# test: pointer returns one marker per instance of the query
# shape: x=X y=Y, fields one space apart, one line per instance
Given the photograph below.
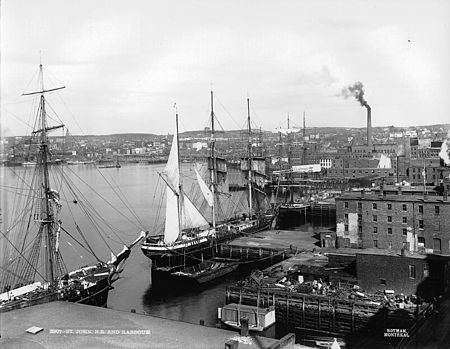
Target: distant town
x=399 y=153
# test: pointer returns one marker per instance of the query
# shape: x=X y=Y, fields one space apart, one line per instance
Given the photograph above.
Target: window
x=412 y=271
x=404 y=220
x=375 y=243
x=404 y=207
x=375 y=218
x=421 y=241
x=389 y=206
x=360 y=229
x=420 y=224
x=437 y=244
x=420 y=208
x=346 y=216
x=359 y=217
x=390 y=244
x=389 y=230
x=383 y=282
x=374 y=206
x=436 y=210
x=405 y=231
x=389 y=219
x=426 y=270
x=359 y=205
x=346 y=227
x=345 y=204
x=375 y=230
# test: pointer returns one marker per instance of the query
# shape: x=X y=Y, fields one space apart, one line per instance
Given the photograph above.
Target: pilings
x=315 y=312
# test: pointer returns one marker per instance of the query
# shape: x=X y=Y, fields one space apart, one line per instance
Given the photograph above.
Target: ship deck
x=71 y=325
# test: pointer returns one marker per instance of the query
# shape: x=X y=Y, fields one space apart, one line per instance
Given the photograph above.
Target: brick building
x=394 y=221
x=414 y=273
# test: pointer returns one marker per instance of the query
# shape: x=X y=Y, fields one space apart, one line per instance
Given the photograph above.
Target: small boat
x=328 y=342
x=207 y=271
x=116 y=165
x=259 y=319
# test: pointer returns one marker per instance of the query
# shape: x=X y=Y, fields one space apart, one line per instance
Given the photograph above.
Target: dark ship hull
x=291 y=215
x=96 y=295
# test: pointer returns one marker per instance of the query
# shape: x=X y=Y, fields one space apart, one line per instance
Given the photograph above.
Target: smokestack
x=357 y=90
x=369 y=125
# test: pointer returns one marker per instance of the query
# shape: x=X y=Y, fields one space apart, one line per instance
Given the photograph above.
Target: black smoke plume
x=356 y=90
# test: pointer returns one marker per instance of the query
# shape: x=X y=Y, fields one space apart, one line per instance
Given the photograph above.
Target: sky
x=126 y=63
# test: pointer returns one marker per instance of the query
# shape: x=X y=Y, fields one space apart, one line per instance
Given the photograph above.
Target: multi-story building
x=388 y=220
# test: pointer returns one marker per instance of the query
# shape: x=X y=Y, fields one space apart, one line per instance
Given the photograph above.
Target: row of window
x=420 y=177
x=420 y=242
x=421 y=169
x=389 y=219
x=389 y=230
x=389 y=207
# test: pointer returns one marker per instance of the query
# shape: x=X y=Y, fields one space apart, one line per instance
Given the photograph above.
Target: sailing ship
x=33 y=270
x=289 y=211
x=115 y=165
x=188 y=238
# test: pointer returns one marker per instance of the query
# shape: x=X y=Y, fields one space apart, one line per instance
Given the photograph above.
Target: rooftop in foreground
x=69 y=325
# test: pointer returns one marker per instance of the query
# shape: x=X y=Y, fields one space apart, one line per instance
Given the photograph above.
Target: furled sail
x=205 y=190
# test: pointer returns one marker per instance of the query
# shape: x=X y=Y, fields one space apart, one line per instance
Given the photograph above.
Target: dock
x=337 y=310
x=70 y=325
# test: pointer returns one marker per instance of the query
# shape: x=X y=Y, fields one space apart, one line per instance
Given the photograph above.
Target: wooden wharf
x=322 y=313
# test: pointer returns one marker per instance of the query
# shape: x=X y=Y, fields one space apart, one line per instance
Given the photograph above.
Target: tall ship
x=290 y=211
x=188 y=237
x=32 y=269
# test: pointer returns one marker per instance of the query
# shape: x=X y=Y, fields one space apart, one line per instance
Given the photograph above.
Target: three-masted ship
x=188 y=237
x=33 y=270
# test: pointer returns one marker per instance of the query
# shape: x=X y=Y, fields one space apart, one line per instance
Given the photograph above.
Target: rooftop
x=403 y=197
x=70 y=325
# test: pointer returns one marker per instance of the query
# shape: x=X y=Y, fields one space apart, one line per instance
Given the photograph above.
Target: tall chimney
x=369 y=126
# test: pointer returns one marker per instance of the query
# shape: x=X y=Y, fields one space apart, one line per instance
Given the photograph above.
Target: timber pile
x=318 y=305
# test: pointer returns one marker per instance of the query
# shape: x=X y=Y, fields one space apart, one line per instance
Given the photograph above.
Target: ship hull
x=291 y=216
x=96 y=295
x=166 y=261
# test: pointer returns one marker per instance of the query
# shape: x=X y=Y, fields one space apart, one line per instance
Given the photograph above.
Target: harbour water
x=139 y=188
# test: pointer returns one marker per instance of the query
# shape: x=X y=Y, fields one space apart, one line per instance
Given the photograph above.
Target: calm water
x=139 y=185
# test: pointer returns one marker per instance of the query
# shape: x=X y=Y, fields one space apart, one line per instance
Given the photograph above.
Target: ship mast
x=213 y=164
x=46 y=219
x=179 y=197
x=249 y=160
x=289 y=158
